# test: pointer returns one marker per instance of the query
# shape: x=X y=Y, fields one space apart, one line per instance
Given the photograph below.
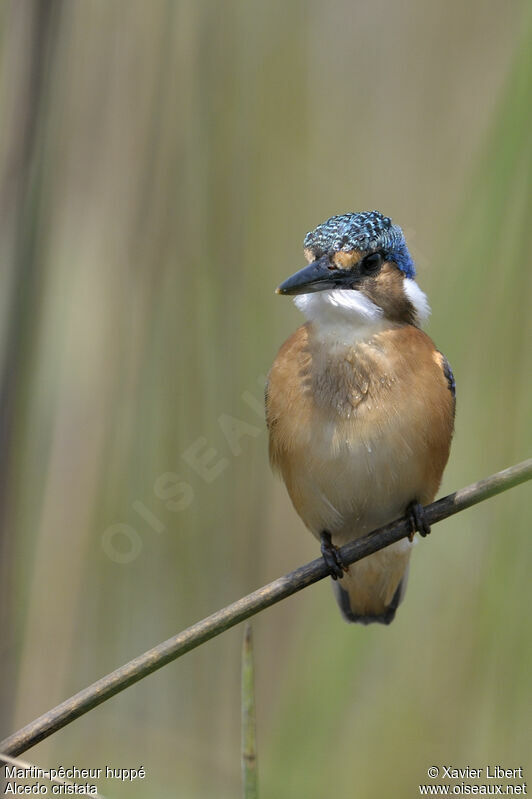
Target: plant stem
x=249 y=741
x=242 y=609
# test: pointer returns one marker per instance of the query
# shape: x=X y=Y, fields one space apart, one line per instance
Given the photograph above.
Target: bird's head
x=361 y=267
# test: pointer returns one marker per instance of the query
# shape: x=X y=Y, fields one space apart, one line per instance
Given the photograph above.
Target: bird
x=360 y=404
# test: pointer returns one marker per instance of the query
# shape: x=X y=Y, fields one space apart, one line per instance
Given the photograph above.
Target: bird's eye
x=371 y=264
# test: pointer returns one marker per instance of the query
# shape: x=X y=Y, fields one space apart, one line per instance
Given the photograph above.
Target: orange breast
x=358 y=432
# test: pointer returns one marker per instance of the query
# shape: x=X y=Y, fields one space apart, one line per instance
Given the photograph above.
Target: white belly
x=348 y=484
x=350 y=490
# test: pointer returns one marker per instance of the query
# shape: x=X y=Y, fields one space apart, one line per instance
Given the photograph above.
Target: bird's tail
x=373 y=588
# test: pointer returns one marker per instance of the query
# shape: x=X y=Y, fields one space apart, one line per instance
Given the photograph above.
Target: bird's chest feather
x=353 y=428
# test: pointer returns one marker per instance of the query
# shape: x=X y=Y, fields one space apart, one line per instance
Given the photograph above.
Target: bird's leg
x=331 y=557
x=418 y=519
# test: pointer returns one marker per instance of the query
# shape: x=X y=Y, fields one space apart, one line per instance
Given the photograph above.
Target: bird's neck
x=340 y=318
x=351 y=351
x=343 y=317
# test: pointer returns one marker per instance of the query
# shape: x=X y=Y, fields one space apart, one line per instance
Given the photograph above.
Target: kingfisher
x=360 y=404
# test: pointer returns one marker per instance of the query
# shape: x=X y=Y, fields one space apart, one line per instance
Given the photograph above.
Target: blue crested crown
x=365 y=231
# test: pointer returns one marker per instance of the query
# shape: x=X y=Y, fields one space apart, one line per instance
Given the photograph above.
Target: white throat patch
x=345 y=314
x=348 y=315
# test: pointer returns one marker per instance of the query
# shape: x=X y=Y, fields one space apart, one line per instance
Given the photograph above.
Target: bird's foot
x=418 y=520
x=332 y=557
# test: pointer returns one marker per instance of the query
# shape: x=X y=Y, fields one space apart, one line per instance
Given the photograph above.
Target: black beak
x=317 y=276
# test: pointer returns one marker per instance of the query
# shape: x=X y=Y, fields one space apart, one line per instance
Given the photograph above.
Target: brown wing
x=285 y=390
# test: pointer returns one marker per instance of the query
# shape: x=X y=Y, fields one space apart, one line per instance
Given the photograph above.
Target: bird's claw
x=418 y=520
x=332 y=558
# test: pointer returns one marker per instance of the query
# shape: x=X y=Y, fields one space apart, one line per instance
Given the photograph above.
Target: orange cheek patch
x=346 y=260
x=309 y=255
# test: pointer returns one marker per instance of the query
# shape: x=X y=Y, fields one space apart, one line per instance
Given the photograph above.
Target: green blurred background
x=160 y=164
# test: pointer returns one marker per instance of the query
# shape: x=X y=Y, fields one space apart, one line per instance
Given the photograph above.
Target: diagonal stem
x=143 y=665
